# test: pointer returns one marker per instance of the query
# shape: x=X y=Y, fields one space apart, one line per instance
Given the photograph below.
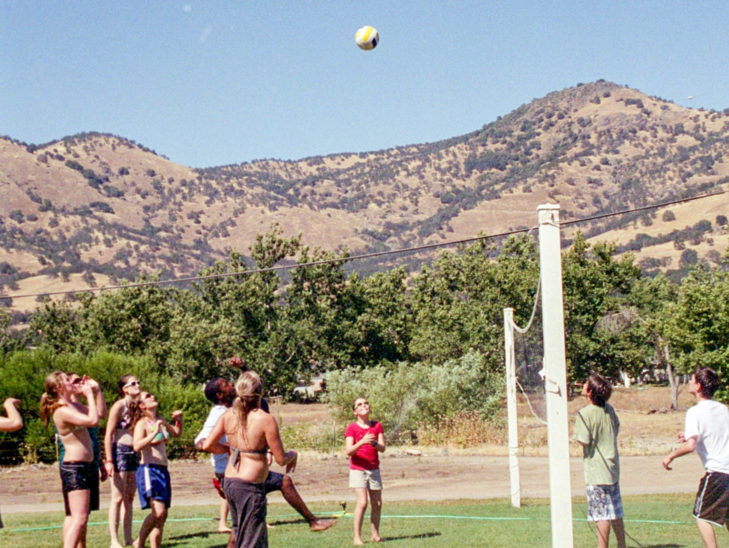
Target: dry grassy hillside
x=95 y=208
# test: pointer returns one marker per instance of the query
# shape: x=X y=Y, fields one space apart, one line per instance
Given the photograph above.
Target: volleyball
x=367 y=37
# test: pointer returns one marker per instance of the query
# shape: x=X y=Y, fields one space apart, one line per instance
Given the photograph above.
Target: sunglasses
x=77 y=380
x=133 y=383
x=360 y=404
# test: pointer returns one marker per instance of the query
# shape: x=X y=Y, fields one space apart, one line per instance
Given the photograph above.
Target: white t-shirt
x=220 y=461
x=708 y=421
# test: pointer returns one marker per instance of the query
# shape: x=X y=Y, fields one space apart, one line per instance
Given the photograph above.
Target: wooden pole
x=555 y=375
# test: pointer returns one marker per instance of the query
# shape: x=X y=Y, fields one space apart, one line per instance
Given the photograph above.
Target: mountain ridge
x=94 y=208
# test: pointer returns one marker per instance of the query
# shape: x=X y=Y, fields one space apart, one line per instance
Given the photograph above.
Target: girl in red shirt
x=364 y=440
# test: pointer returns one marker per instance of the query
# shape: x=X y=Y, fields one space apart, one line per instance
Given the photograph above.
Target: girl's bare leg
x=359 y=510
x=74 y=528
x=223 y=521
x=129 y=488
x=115 y=503
x=375 y=510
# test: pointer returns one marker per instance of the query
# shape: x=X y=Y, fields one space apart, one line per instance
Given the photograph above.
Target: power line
x=353 y=257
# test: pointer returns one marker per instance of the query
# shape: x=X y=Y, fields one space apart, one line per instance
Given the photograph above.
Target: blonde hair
x=249 y=389
x=50 y=400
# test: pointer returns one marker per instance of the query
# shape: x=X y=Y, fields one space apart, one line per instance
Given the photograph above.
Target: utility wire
x=353 y=257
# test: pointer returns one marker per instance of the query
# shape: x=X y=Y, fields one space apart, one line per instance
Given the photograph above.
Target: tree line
x=392 y=327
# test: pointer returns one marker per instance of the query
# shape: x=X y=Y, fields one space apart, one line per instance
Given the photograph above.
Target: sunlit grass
x=651 y=520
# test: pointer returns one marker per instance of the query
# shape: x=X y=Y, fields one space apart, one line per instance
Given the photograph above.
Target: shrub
x=24 y=375
x=404 y=396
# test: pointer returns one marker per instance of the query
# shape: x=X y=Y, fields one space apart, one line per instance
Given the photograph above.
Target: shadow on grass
x=662 y=545
x=176 y=540
x=288 y=522
x=403 y=537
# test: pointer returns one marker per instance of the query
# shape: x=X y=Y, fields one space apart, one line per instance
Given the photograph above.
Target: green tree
x=596 y=284
x=458 y=302
x=700 y=323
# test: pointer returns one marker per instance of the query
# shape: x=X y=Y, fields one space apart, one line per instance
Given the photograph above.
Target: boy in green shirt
x=596 y=429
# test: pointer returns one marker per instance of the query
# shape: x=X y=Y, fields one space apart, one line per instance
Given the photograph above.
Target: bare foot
x=224 y=529
x=115 y=544
x=376 y=539
x=358 y=542
x=321 y=524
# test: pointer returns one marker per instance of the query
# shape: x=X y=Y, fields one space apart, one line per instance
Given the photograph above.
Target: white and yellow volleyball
x=367 y=37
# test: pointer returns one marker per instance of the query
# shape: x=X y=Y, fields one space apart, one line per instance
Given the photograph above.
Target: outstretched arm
x=273 y=439
x=13 y=421
x=688 y=446
x=211 y=443
x=98 y=396
x=176 y=428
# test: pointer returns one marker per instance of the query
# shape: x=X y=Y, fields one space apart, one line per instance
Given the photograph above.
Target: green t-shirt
x=597 y=428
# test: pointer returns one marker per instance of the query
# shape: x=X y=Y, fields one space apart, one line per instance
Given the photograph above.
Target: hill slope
x=94 y=207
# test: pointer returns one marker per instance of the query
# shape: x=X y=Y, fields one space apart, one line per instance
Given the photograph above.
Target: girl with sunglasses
x=121 y=460
x=151 y=433
x=79 y=473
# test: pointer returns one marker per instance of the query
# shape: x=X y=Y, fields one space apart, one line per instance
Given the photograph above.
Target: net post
x=555 y=375
x=510 y=367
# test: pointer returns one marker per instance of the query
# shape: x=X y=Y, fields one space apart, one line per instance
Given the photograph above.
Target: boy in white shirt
x=707 y=433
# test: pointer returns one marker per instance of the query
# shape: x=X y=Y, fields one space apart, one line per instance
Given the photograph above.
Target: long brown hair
x=50 y=400
x=249 y=389
x=123 y=382
x=136 y=413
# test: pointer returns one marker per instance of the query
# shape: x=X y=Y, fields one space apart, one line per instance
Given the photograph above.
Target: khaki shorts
x=368 y=479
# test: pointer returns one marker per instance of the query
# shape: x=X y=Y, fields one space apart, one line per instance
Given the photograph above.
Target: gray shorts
x=368 y=479
x=604 y=502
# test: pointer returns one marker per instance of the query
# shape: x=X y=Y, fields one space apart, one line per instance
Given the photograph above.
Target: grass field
x=651 y=521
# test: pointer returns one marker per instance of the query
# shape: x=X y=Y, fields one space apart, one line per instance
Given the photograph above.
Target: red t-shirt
x=366 y=457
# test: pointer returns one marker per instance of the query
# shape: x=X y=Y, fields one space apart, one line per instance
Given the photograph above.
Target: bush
x=24 y=376
x=406 y=396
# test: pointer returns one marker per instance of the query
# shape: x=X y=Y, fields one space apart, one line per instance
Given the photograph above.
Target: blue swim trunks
x=153 y=483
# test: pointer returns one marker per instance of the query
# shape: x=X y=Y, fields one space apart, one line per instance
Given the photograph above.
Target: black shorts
x=80 y=476
x=247 y=504
x=712 y=498
x=124 y=458
x=274 y=482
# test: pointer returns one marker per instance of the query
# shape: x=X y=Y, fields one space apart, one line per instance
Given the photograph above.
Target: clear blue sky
x=213 y=82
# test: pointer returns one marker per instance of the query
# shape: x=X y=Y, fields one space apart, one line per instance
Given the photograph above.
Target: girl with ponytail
x=79 y=471
x=252 y=434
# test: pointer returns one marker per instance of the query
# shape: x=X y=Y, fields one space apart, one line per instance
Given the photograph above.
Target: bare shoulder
x=116 y=407
x=259 y=416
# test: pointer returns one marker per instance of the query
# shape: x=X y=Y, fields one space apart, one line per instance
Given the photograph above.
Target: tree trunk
x=672 y=381
x=626 y=378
